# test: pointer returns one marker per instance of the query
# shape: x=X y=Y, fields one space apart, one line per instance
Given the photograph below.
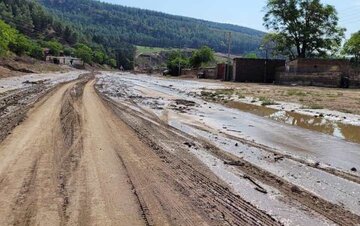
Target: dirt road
x=81 y=158
x=73 y=161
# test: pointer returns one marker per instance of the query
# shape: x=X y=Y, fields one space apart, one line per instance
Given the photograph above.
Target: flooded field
x=319 y=124
x=294 y=167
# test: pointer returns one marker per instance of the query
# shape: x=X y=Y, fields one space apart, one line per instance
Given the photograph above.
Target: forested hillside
x=27 y=28
x=110 y=24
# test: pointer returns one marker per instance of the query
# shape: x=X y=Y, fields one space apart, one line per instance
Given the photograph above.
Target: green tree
x=307 y=27
x=54 y=46
x=68 y=51
x=99 y=57
x=7 y=35
x=36 y=52
x=84 y=52
x=202 y=56
x=111 y=62
x=177 y=61
x=251 y=56
x=352 y=46
x=21 y=45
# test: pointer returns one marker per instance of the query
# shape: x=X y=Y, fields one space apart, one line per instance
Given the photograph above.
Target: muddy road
x=111 y=149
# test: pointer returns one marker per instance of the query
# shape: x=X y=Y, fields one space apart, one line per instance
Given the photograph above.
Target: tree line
x=108 y=23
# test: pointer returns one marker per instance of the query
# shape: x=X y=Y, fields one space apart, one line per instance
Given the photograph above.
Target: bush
x=175 y=60
x=54 y=46
x=99 y=57
x=37 y=52
x=201 y=56
x=21 y=45
x=84 y=52
x=7 y=35
x=112 y=63
x=69 y=51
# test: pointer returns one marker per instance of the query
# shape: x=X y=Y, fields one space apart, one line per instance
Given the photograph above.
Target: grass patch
x=148 y=50
x=314 y=106
x=347 y=111
x=295 y=92
x=266 y=101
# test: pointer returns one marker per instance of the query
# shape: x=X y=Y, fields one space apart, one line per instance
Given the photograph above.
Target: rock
x=295 y=189
x=189 y=144
x=353 y=169
x=236 y=145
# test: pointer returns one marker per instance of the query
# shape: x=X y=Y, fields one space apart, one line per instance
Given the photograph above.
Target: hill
x=109 y=24
x=27 y=28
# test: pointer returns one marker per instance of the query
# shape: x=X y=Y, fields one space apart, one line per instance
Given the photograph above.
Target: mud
x=15 y=105
x=126 y=150
x=295 y=181
x=315 y=123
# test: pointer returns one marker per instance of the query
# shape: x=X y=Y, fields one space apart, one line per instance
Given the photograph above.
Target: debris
x=187 y=103
x=295 y=189
x=35 y=82
x=279 y=158
x=258 y=186
x=234 y=163
x=189 y=144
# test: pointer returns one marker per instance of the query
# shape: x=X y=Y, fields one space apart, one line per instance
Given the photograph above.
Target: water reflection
x=338 y=129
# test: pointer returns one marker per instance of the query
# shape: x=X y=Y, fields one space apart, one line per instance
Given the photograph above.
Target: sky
x=239 y=12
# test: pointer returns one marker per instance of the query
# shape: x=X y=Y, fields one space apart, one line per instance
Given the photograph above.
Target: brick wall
x=255 y=70
x=319 y=72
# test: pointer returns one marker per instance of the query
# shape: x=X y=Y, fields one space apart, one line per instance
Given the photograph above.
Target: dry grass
x=344 y=100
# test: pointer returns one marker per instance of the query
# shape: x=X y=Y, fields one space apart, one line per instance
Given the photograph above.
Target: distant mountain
x=109 y=24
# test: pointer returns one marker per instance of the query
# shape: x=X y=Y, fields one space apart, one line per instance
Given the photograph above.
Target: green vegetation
x=202 y=56
x=83 y=52
x=148 y=50
x=113 y=26
x=352 y=46
x=266 y=101
x=177 y=61
x=7 y=35
x=251 y=56
x=26 y=28
x=303 y=28
x=295 y=92
x=30 y=19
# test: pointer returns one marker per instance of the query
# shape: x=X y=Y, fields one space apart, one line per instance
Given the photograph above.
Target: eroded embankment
x=15 y=104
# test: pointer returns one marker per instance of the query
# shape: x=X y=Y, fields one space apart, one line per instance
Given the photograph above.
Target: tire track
x=206 y=194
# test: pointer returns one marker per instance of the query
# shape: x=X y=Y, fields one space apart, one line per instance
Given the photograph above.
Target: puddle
x=347 y=132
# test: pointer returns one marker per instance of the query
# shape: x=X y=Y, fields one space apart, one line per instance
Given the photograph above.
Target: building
x=255 y=70
x=224 y=71
x=65 y=60
x=319 y=72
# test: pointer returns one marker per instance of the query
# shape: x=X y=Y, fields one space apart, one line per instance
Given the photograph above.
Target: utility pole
x=179 y=66
x=229 y=54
